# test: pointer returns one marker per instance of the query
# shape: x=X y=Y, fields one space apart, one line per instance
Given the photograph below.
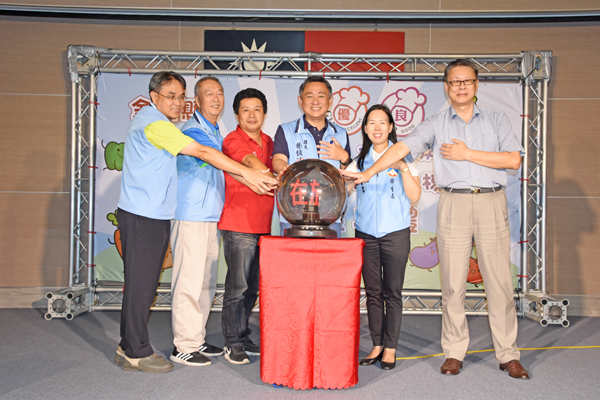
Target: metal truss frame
x=531 y=68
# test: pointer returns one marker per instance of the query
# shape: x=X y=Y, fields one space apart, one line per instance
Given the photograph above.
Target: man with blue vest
x=312 y=135
x=147 y=204
x=194 y=235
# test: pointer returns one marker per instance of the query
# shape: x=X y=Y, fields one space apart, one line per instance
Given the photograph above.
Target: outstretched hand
x=357 y=177
x=260 y=182
x=457 y=151
x=280 y=174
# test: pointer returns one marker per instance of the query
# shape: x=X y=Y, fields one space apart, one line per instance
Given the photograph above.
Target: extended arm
x=458 y=151
x=255 y=179
x=393 y=154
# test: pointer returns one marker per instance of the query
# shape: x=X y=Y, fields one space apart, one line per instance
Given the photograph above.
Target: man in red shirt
x=246 y=217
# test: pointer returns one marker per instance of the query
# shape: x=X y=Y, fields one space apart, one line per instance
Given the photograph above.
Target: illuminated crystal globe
x=311 y=196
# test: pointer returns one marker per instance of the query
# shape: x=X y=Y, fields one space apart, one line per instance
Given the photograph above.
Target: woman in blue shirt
x=383 y=222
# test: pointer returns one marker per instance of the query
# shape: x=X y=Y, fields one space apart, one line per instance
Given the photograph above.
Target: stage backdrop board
x=121 y=96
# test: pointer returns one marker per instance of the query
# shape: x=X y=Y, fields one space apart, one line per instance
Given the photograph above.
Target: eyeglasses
x=467 y=82
x=171 y=97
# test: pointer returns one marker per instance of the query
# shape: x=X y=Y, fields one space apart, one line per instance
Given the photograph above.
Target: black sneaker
x=210 y=350
x=195 y=358
x=251 y=348
x=236 y=355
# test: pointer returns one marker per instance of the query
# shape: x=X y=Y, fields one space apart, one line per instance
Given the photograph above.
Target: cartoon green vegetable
x=113 y=155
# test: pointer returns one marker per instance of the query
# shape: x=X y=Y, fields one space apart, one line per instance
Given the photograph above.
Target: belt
x=473 y=190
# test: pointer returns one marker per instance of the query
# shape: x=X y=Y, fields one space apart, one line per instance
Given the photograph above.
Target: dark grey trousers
x=144 y=242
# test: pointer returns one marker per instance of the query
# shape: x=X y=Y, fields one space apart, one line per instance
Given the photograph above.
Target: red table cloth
x=310 y=311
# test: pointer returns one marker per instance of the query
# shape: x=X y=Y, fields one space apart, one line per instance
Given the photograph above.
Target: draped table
x=310 y=311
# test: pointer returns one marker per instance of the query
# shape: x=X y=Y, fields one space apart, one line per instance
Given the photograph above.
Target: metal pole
x=92 y=175
x=524 y=190
x=76 y=233
x=538 y=191
x=542 y=236
x=73 y=164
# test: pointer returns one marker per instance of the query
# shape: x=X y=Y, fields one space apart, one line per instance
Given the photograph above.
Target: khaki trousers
x=195 y=247
x=482 y=217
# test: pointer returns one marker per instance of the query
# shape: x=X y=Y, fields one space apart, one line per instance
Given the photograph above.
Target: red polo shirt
x=244 y=210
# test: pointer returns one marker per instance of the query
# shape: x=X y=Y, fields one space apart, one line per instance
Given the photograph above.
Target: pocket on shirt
x=489 y=142
x=167 y=191
x=206 y=193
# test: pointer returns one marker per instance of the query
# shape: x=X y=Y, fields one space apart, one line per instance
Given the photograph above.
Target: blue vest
x=149 y=178
x=381 y=204
x=301 y=143
x=200 y=186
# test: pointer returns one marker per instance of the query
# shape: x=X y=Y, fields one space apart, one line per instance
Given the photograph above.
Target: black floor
x=61 y=359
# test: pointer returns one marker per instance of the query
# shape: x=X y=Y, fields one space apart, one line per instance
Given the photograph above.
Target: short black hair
x=249 y=93
x=312 y=79
x=162 y=77
x=204 y=79
x=461 y=62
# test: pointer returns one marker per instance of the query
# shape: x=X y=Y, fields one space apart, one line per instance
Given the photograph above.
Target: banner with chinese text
x=121 y=96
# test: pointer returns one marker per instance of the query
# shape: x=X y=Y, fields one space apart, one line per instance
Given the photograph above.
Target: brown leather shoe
x=451 y=366
x=515 y=369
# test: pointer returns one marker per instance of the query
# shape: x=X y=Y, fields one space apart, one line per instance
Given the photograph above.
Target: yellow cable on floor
x=523 y=349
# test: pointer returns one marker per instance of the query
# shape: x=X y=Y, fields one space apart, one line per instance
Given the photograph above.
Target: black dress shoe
x=371 y=361
x=387 y=365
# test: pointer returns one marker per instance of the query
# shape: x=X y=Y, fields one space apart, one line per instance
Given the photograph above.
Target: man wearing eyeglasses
x=472 y=148
x=147 y=204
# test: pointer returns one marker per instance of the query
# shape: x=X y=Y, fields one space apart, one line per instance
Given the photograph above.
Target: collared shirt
x=200 y=186
x=213 y=128
x=281 y=145
x=244 y=210
x=488 y=130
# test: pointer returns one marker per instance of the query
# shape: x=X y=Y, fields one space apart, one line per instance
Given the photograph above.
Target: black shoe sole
x=388 y=366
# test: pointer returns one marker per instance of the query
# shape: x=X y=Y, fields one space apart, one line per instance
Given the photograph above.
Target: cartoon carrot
x=112 y=217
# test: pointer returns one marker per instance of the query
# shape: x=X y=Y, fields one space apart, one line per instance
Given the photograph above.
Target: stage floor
x=62 y=359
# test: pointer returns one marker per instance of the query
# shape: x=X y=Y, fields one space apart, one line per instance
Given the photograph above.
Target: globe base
x=310 y=232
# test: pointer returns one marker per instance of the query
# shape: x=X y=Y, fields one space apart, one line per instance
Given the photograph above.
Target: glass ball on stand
x=311 y=196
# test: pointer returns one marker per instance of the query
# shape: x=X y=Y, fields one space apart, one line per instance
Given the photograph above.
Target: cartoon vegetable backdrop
x=112 y=217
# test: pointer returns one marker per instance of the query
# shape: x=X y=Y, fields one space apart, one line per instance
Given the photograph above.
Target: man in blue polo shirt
x=194 y=234
x=147 y=204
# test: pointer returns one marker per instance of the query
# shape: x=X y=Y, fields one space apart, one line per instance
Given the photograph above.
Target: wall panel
x=573 y=148
x=573 y=236
x=34 y=239
x=575 y=51
x=25 y=41
x=35 y=149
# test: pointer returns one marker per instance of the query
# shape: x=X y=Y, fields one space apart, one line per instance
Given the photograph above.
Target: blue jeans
x=241 y=285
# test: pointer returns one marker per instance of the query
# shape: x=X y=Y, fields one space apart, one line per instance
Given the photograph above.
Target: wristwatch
x=404 y=170
x=348 y=161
